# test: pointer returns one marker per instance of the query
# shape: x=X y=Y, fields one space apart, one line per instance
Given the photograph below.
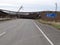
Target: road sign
x=51 y=15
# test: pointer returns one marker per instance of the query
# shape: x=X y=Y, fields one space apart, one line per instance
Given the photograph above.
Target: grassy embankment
x=52 y=23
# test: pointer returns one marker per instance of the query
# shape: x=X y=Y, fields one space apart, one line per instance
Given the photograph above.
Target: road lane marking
x=2 y=33
x=44 y=34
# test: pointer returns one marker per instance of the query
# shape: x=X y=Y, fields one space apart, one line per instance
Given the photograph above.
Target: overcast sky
x=29 y=5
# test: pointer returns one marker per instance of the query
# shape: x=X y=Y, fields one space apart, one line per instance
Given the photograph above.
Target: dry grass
x=53 y=23
x=4 y=19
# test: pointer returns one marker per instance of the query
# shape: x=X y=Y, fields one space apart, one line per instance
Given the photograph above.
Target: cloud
x=6 y=4
x=30 y=4
x=12 y=2
x=38 y=1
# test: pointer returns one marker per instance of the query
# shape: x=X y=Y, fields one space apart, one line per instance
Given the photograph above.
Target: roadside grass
x=52 y=23
x=4 y=19
x=56 y=26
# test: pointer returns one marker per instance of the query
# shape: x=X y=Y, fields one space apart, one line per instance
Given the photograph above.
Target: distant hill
x=45 y=17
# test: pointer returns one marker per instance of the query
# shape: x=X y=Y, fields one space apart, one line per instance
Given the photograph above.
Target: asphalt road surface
x=25 y=32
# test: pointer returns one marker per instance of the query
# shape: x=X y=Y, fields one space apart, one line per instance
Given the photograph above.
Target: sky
x=30 y=5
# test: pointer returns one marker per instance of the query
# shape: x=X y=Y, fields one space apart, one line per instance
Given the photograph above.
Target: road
x=24 y=32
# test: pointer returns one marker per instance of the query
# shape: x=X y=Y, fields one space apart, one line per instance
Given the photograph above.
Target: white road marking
x=44 y=34
x=2 y=33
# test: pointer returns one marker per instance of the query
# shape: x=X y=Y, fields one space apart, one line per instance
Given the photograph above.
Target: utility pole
x=55 y=10
x=56 y=6
x=18 y=11
x=20 y=8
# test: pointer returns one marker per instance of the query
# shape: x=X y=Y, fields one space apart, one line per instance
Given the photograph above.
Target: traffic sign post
x=51 y=15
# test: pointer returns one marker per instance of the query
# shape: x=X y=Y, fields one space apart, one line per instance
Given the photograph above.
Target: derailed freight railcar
x=30 y=15
x=33 y=15
x=3 y=14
